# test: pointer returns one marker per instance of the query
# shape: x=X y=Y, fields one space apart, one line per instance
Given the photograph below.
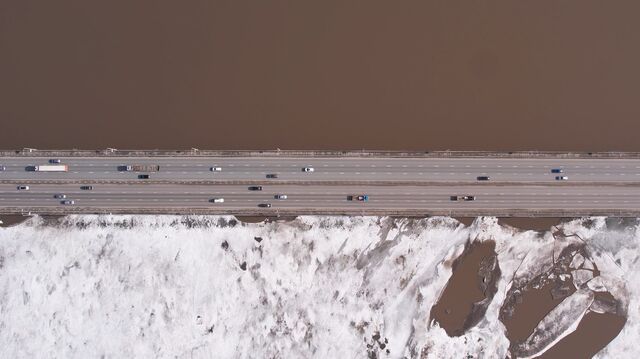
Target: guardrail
x=112 y=152
x=313 y=211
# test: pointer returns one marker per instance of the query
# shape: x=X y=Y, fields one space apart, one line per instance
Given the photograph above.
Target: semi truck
x=51 y=168
x=140 y=168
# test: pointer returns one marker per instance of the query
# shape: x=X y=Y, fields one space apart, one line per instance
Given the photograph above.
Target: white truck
x=51 y=168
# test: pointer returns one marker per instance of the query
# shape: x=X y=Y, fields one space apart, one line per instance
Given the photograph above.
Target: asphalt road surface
x=338 y=169
x=515 y=184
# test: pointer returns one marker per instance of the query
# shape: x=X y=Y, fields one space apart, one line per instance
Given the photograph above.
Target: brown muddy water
x=536 y=224
x=470 y=289
x=500 y=75
x=12 y=220
x=594 y=332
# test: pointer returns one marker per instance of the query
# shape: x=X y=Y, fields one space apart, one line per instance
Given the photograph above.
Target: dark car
x=358 y=197
x=143 y=176
x=3 y=168
x=255 y=188
x=463 y=198
x=556 y=170
x=86 y=188
x=60 y=196
x=483 y=178
x=272 y=175
x=54 y=160
x=265 y=205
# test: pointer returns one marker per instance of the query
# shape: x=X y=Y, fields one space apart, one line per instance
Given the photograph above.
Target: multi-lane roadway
x=393 y=185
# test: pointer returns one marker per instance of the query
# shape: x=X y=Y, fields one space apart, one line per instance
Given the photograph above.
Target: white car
x=561 y=178
x=217 y=200
x=280 y=196
x=216 y=169
x=23 y=188
x=68 y=202
x=307 y=169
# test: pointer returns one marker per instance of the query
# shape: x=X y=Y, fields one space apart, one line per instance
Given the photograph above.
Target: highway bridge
x=543 y=186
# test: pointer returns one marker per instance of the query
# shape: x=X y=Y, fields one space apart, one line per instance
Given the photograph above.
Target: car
x=67 y=202
x=358 y=197
x=23 y=188
x=483 y=178
x=255 y=188
x=264 y=205
x=272 y=175
x=307 y=169
x=462 y=198
x=143 y=176
x=54 y=160
x=216 y=169
x=217 y=200
x=556 y=170
x=60 y=196
x=561 y=178
x=3 y=168
x=280 y=196
x=86 y=188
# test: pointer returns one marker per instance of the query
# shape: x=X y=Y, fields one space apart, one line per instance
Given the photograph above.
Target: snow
x=169 y=286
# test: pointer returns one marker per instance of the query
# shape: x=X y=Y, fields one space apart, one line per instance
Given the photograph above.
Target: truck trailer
x=140 y=168
x=51 y=168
